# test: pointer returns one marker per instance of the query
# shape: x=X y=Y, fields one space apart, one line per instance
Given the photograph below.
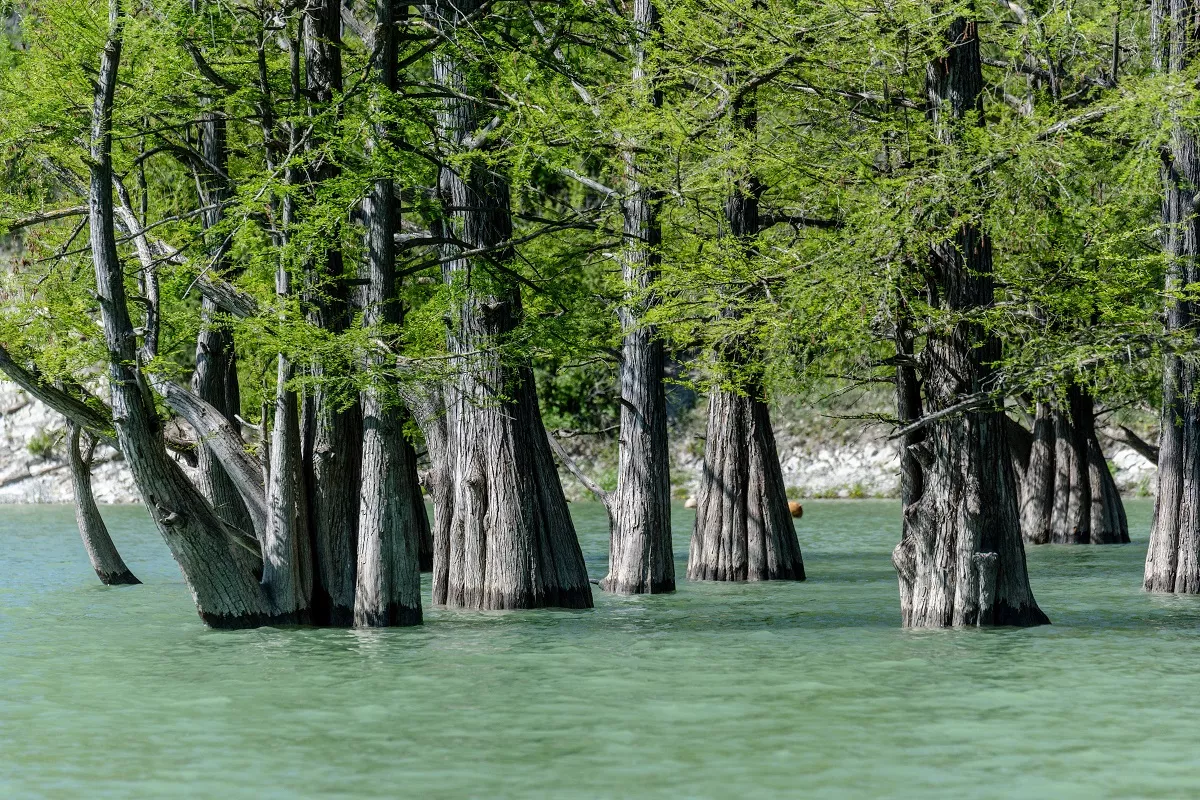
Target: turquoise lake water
x=746 y=691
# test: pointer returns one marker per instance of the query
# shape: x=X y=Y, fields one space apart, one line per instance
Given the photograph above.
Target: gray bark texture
x=225 y=592
x=640 y=557
x=744 y=528
x=388 y=589
x=961 y=560
x=106 y=561
x=1067 y=492
x=333 y=432
x=215 y=379
x=511 y=541
x=1173 y=557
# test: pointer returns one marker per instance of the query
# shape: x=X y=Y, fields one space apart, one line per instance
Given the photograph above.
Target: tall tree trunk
x=332 y=432
x=226 y=593
x=512 y=543
x=961 y=561
x=912 y=476
x=389 y=576
x=640 y=558
x=106 y=561
x=215 y=377
x=744 y=528
x=1173 y=557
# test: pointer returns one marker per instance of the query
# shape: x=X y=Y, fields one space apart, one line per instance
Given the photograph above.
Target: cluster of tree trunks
x=1067 y=492
x=1173 y=558
x=960 y=560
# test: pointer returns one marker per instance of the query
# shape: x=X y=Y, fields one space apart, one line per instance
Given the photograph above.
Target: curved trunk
x=511 y=542
x=226 y=594
x=106 y=561
x=640 y=557
x=1173 y=557
x=961 y=560
x=743 y=529
x=388 y=587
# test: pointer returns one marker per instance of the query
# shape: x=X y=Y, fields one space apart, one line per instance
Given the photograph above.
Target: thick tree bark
x=1068 y=495
x=332 y=433
x=961 y=560
x=226 y=593
x=215 y=379
x=1037 y=489
x=640 y=558
x=744 y=528
x=912 y=477
x=388 y=590
x=512 y=543
x=106 y=561
x=1173 y=557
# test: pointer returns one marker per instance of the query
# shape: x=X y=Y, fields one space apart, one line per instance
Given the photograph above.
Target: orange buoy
x=796 y=509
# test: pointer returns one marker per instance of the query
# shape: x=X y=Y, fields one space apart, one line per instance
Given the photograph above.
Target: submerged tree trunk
x=511 y=540
x=640 y=558
x=744 y=528
x=106 y=561
x=961 y=560
x=388 y=590
x=1173 y=557
x=1068 y=495
x=332 y=429
x=226 y=593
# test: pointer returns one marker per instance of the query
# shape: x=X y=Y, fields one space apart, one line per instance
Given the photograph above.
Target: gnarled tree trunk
x=511 y=542
x=106 y=561
x=961 y=560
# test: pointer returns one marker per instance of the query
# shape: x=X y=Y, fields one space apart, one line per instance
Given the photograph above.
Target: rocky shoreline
x=821 y=457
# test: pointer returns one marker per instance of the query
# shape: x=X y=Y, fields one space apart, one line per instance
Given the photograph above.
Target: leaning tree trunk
x=641 y=559
x=227 y=594
x=743 y=529
x=332 y=429
x=961 y=560
x=388 y=590
x=1173 y=557
x=512 y=543
x=106 y=561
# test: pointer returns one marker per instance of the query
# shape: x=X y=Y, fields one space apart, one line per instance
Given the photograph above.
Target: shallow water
x=764 y=690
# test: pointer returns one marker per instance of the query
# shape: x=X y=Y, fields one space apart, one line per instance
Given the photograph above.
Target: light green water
x=717 y=691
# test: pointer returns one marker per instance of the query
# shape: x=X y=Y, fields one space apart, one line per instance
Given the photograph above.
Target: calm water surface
x=717 y=691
